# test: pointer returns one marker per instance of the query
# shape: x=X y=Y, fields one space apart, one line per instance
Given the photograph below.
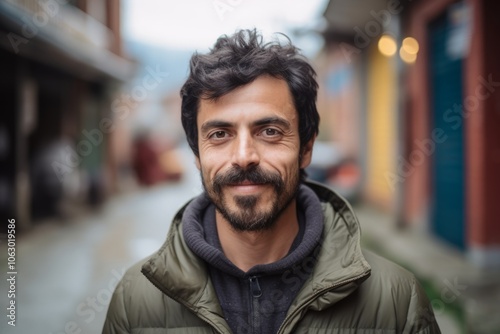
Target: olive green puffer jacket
x=348 y=291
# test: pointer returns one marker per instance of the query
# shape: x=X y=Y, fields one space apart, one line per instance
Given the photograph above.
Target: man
x=262 y=250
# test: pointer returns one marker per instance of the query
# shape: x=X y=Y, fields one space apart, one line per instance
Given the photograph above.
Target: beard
x=246 y=215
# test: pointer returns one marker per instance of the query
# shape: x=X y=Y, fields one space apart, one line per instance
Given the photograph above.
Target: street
x=67 y=271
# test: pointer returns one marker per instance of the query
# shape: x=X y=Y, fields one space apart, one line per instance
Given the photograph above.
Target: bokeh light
x=410 y=45
x=409 y=50
x=387 y=45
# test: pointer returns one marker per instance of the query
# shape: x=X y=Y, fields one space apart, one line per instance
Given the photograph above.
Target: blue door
x=448 y=164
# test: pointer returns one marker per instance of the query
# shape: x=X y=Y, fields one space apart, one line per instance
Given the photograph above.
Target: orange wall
x=381 y=128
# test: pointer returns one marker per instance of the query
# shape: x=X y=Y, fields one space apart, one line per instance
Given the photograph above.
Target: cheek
x=210 y=167
x=287 y=164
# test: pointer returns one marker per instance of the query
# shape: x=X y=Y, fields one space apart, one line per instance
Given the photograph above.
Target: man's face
x=249 y=148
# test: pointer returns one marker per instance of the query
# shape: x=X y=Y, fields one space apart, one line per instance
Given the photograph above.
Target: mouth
x=246 y=186
x=245 y=183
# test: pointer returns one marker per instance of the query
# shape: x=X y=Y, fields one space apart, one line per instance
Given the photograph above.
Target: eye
x=270 y=132
x=219 y=134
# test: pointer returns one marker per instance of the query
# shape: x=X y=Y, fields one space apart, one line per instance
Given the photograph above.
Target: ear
x=197 y=162
x=307 y=153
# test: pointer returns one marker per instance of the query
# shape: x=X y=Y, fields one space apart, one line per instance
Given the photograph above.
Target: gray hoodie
x=255 y=301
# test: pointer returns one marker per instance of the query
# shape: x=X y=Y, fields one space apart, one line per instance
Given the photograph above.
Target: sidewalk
x=67 y=270
x=465 y=299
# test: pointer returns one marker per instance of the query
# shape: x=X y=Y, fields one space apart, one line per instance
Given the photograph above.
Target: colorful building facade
x=427 y=111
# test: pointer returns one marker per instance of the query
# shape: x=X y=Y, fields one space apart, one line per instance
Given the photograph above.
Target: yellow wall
x=381 y=124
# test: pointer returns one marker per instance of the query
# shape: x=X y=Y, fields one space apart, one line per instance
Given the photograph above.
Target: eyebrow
x=272 y=120
x=207 y=126
x=215 y=124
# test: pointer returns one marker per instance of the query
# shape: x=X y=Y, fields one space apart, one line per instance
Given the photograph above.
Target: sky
x=196 y=24
x=165 y=33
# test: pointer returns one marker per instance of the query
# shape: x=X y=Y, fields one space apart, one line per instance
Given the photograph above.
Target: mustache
x=254 y=174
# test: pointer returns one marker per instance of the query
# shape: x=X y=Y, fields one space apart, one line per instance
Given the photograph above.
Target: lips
x=252 y=179
x=246 y=187
x=246 y=183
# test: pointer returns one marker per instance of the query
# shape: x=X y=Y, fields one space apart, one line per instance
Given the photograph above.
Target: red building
x=452 y=122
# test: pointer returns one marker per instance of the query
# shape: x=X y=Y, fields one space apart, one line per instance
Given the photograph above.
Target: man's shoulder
x=390 y=300
x=381 y=303
x=388 y=279
x=391 y=290
x=144 y=305
x=389 y=285
x=384 y=268
x=134 y=281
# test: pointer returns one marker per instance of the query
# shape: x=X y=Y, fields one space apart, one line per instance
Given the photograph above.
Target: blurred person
x=146 y=161
x=52 y=181
x=262 y=250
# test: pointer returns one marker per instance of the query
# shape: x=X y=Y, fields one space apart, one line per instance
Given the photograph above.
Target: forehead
x=264 y=97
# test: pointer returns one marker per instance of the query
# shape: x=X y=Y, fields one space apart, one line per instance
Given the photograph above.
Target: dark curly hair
x=239 y=59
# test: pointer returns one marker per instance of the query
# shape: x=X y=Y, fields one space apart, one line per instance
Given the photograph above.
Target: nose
x=245 y=153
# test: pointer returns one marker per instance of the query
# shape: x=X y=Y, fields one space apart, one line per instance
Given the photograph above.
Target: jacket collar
x=340 y=266
x=183 y=276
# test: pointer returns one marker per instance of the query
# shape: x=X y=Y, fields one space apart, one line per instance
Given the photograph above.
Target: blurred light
x=408 y=58
x=409 y=50
x=410 y=45
x=387 y=45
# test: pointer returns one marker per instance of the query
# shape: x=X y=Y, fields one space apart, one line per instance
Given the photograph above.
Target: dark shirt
x=256 y=301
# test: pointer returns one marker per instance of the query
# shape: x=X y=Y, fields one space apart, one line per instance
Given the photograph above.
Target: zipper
x=316 y=295
x=205 y=319
x=255 y=287
x=256 y=292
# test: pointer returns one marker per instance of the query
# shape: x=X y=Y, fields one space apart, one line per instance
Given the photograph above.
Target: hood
x=340 y=266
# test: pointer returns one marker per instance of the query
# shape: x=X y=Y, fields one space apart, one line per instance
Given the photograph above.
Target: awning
x=48 y=44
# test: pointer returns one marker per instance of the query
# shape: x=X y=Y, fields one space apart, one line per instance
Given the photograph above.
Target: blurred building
x=453 y=90
x=411 y=89
x=61 y=65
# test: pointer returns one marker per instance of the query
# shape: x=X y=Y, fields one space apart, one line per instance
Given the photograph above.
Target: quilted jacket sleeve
x=420 y=318
x=116 y=319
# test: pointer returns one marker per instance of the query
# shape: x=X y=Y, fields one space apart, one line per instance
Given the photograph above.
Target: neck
x=248 y=249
